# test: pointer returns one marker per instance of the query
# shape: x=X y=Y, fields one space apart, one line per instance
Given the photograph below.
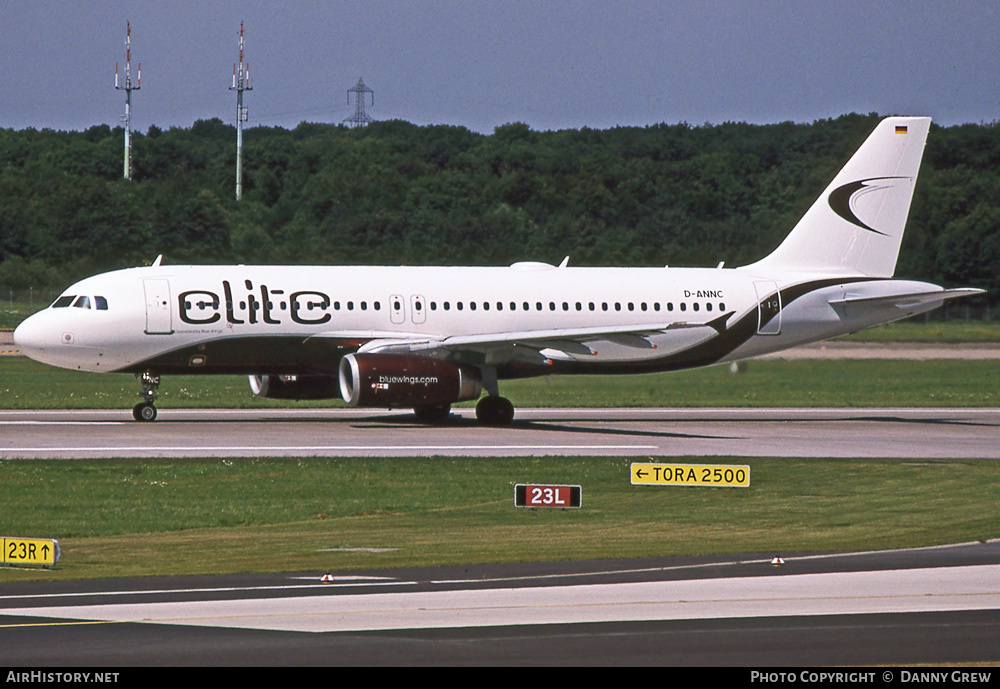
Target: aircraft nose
x=30 y=336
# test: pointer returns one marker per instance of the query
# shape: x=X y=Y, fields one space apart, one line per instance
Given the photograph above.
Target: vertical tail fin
x=857 y=224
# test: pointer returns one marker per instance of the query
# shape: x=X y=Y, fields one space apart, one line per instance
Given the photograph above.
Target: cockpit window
x=102 y=303
x=82 y=303
x=63 y=302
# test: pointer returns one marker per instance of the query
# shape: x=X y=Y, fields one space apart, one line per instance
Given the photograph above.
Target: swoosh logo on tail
x=840 y=201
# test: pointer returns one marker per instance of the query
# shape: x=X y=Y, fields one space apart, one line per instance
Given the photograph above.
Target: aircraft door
x=417 y=309
x=158 y=320
x=768 y=307
x=397 y=310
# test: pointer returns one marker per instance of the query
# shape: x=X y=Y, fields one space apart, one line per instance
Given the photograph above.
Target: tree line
x=397 y=193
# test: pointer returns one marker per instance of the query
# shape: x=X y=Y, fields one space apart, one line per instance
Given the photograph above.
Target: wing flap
x=539 y=345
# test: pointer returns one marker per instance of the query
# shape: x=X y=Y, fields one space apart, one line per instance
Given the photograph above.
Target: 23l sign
x=528 y=495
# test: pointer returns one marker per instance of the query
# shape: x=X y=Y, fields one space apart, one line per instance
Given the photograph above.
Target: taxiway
x=932 y=605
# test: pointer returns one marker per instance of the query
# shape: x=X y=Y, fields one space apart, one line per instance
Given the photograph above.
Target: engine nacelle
x=403 y=380
x=309 y=387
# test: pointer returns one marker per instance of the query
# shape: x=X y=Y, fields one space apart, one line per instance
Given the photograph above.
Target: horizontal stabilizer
x=906 y=301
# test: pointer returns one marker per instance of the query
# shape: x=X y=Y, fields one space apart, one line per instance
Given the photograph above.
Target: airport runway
x=934 y=606
x=861 y=432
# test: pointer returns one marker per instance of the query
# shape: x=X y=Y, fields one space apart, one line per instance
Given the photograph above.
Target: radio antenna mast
x=128 y=87
x=241 y=83
x=359 y=118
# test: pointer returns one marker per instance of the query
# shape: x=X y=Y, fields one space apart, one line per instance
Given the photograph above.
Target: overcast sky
x=553 y=65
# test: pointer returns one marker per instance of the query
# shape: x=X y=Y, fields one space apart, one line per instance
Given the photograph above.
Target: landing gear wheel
x=433 y=413
x=495 y=411
x=144 y=412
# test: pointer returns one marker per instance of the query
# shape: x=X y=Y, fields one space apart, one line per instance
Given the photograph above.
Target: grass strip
x=117 y=518
x=25 y=384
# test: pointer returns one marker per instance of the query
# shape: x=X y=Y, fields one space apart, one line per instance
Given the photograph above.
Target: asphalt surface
x=935 y=606
x=752 y=432
x=929 y=606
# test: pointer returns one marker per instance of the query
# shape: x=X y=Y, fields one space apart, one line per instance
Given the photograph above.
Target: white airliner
x=427 y=337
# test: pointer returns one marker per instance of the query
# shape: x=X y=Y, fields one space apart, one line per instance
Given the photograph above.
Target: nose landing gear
x=145 y=411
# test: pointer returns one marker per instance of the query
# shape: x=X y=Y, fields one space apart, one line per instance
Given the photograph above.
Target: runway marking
x=916 y=590
x=317 y=584
x=344 y=581
x=59 y=624
x=62 y=423
x=318 y=448
x=333 y=412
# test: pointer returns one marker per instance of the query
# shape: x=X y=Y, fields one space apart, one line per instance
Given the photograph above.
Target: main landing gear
x=145 y=411
x=493 y=410
x=433 y=413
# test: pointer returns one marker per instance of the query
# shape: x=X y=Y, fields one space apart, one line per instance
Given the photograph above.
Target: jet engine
x=403 y=380
x=308 y=387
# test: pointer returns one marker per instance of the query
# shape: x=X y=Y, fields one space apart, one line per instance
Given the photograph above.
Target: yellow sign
x=711 y=475
x=30 y=551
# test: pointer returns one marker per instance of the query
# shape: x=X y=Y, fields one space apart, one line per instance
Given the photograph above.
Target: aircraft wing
x=542 y=345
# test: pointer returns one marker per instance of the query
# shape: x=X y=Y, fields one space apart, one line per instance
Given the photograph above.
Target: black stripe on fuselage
x=296 y=355
x=705 y=354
